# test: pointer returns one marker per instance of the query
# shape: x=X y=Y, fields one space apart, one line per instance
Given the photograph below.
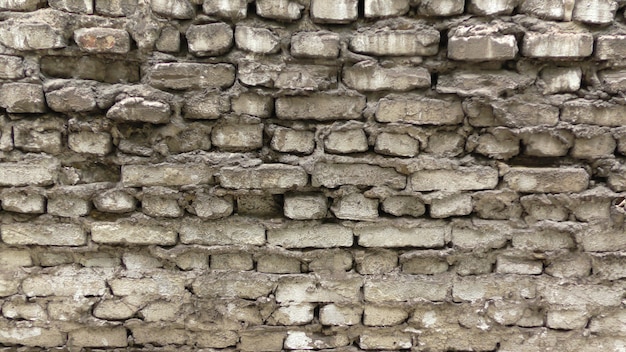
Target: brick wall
x=338 y=175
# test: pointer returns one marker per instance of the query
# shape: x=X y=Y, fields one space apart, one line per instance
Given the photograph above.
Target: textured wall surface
x=339 y=175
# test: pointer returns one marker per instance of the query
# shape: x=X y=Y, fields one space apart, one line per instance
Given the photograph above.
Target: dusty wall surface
x=339 y=175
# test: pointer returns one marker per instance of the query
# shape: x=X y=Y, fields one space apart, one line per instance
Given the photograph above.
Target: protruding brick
x=595 y=11
x=367 y=76
x=22 y=201
x=381 y=236
x=419 y=111
x=22 y=98
x=420 y=41
x=340 y=315
x=264 y=176
x=233 y=9
x=355 y=206
x=386 y=8
x=178 y=9
x=492 y=7
x=334 y=11
x=210 y=39
x=335 y=175
x=257 y=40
x=482 y=47
x=31 y=36
x=191 y=76
x=283 y=10
x=561 y=79
x=462 y=179
x=309 y=289
x=166 y=175
x=485 y=83
x=238 y=137
x=396 y=144
x=222 y=232
x=441 y=7
x=11 y=67
x=320 y=236
x=321 y=107
x=349 y=141
x=557 y=45
x=315 y=45
x=306 y=206
x=547 y=180
x=405 y=288
x=140 y=110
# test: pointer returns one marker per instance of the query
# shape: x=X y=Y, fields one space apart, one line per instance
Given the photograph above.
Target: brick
x=384 y=8
x=132 y=234
x=405 y=288
x=582 y=295
x=31 y=36
x=114 y=310
x=282 y=10
x=355 y=206
x=547 y=180
x=395 y=144
x=89 y=67
x=546 y=9
x=246 y=285
x=441 y=7
x=543 y=144
x=43 y=235
x=498 y=204
x=452 y=205
x=501 y=144
x=160 y=283
x=423 y=265
x=329 y=261
x=320 y=44
x=11 y=67
x=308 y=340
x=569 y=319
x=277 y=264
x=159 y=335
x=210 y=39
x=609 y=267
x=253 y=104
x=613 y=81
x=595 y=11
x=602 y=240
x=140 y=110
x=321 y=107
x=232 y=261
x=487 y=287
x=102 y=40
x=420 y=41
x=557 y=45
x=544 y=207
x=382 y=315
x=491 y=7
x=388 y=236
x=205 y=106
x=334 y=11
x=297 y=314
x=367 y=76
x=72 y=99
x=117 y=8
x=211 y=207
x=484 y=83
x=257 y=40
x=39 y=135
x=517 y=112
x=22 y=98
x=471 y=238
x=97 y=143
x=28 y=173
x=221 y=232
x=237 y=137
x=403 y=205
x=305 y=206
x=234 y=10
x=461 y=179
x=610 y=47
x=265 y=205
x=183 y=76
x=348 y=141
x=468 y=45
x=521 y=266
x=169 y=40
x=13 y=258
x=75 y=6
x=292 y=77
x=67 y=281
x=266 y=176
x=98 y=337
x=32 y=336
x=385 y=339
x=21 y=5
x=474 y=265
x=160 y=207
x=178 y=9
x=334 y=175
x=305 y=236
x=262 y=340
x=166 y=175
x=561 y=79
x=68 y=205
x=340 y=315
x=419 y=111
x=595 y=147
x=309 y=289
x=293 y=141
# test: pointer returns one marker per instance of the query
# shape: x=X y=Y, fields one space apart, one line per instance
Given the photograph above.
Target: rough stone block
x=253 y=104
x=499 y=204
x=461 y=179
x=368 y=76
x=293 y=141
x=486 y=287
x=419 y=111
x=321 y=107
x=205 y=106
x=501 y=144
x=423 y=265
x=595 y=11
x=547 y=180
x=293 y=77
x=68 y=281
x=264 y=205
x=334 y=11
x=210 y=39
x=237 y=137
x=582 y=295
x=246 y=285
x=486 y=83
x=90 y=67
x=11 y=67
x=169 y=40
x=102 y=40
x=340 y=315
x=234 y=9
x=561 y=79
x=335 y=175
x=32 y=336
x=28 y=173
x=548 y=144
x=403 y=205
x=76 y=6
x=596 y=147
x=349 y=141
x=22 y=98
x=320 y=44
x=68 y=205
x=256 y=40
x=420 y=41
x=232 y=261
x=472 y=238
x=264 y=177
x=512 y=265
x=452 y=205
x=182 y=76
x=547 y=9
x=441 y=7
x=581 y=111
x=613 y=81
x=132 y=234
x=115 y=201
x=557 y=45
x=43 y=235
x=31 y=36
x=610 y=47
x=98 y=143
x=98 y=337
x=405 y=288
x=166 y=175
x=161 y=207
x=277 y=264
x=395 y=144
x=140 y=110
x=567 y=319
x=211 y=207
x=304 y=236
x=297 y=314
x=385 y=8
x=309 y=289
x=13 y=258
x=21 y=5
x=221 y=233
x=516 y=112
x=263 y=340
x=178 y=9
x=116 y=8
x=72 y=99
x=23 y=201
x=381 y=236
x=482 y=47
x=305 y=206
x=384 y=339
x=282 y=10
x=491 y=7
x=355 y=206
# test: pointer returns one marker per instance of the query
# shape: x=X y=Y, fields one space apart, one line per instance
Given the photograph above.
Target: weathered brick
x=102 y=40
x=22 y=98
x=396 y=144
x=32 y=336
x=566 y=319
x=178 y=9
x=348 y=141
x=471 y=238
x=11 y=67
x=334 y=11
x=386 y=8
x=13 y=258
x=237 y=137
x=166 y=175
x=405 y=288
x=547 y=180
x=305 y=206
x=296 y=314
x=21 y=5
x=117 y=8
x=261 y=340
x=98 y=143
x=283 y=10
x=169 y=40
x=544 y=144
x=160 y=283
x=461 y=179
x=257 y=40
x=309 y=289
x=491 y=7
x=232 y=261
x=441 y=7
x=517 y=112
x=191 y=76
x=546 y=9
x=265 y=205
x=90 y=67
x=581 y=111
x=595 y=11
x=263 y=177
x=72 y=99
x=341 y=315
x=391 y=236
x=557 y=45
x=278 y=75
x=315 y=45
x=230 y=285
x=561 y=79
x=68 y=281
x=355 y=206
x=491 y=84
x=403 y=205
x=613 y=81
x=211 y=207
x=205 y=106
x=423 y=265
x=210 y=39
x=609 y=267
x=68 y=205
x=158 y=335
x=385 y=339
x=234 y=9
x=277 y=264
x=76 y=6
x=610 y=47
x=451 y=205
x=419 y=111
x=368 y=76
x=254 y=104
x=28 y=173
x=480 y=43
x=31 y=36
x=522 y=266
x=132 y=234
x=492 y=287
x=98 y=337
x=420 y=41
x=293 y=141
x=304 y=236
x=334 y=175
x=43 y=235
x=602 y=240
x=221 y=232
x=582 y=295
x=321 y=107
x=140 y=110
x=600 y=146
